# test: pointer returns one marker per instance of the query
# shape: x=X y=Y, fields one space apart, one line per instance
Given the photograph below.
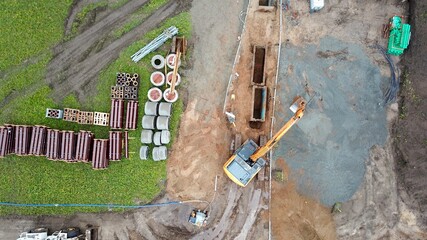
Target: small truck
x=69 y=233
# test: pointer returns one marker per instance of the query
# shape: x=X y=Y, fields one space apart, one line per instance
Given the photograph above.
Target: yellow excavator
x=247 y=160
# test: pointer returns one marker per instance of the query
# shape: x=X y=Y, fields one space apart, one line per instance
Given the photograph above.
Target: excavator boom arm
x=270 y=144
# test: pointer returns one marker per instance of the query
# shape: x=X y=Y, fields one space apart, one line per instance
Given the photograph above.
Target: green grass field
x=38 y=180
x=29 y=27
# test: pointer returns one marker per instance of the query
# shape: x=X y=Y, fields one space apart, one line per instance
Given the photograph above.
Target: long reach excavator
x=247 y=160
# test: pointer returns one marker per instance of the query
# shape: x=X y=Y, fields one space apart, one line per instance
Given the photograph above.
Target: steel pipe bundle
x=156 y=43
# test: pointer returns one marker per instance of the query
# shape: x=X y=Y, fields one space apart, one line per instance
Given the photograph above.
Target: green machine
x=399 y=36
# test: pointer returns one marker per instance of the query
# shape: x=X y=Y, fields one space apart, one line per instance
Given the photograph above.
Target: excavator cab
x=241 y=169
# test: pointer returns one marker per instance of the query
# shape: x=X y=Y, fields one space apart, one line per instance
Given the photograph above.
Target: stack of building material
x=100 y=154
x=68 y=146
x=101 y=119
x=70 y=114
x=85 y=117
x=22 y=139
x=54 y=113
x=115 y=146
x=156 y=117
x=116 y=114
x=6 y=139
x=84 y=146
x=131 y=115
x=117 y=92
x=11 y=140
x=38 y=141
x=130 y=93
x=128 y=84
x=53 y=141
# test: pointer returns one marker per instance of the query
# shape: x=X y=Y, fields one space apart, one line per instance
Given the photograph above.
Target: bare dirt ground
x=411 y=127
x=380 y=208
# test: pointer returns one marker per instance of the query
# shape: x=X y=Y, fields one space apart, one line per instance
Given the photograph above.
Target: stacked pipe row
x=156 y=43
x=155 y=124
x=63 y=145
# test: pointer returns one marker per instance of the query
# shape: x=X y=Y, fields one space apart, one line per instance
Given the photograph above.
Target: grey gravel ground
x=326 y=151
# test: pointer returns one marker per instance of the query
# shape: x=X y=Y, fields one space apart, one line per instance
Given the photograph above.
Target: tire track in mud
x=75 y=65
x=80 y=75
x=69 y=52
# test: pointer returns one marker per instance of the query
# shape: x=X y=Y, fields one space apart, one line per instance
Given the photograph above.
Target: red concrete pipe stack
x=115 y=145
x=100 y=153
x=84 y=144
x=22 y=140
x=126 y=143
x=38 y=141
x=68 y=146
x=131 y=115
x=11 y=141
x=116 y=114
x=6 y=139
x=53 y=141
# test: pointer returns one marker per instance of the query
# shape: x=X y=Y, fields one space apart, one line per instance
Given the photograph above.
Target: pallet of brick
x=6 y=139
x=116 y=114
x=131 y=115
x=85 y=117
x=84 y=146
x=68 y=146
x=100 y=154
x=101 y=119
x=70 y=114
x=117 y=92
x=121 y=79
x=115 y=145
x=54 y=113
x=53 y=144
x=38 y=141
x=22 y=139
x=130 y=93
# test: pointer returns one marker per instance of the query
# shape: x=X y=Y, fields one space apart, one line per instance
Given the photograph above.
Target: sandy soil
x=296 y=216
